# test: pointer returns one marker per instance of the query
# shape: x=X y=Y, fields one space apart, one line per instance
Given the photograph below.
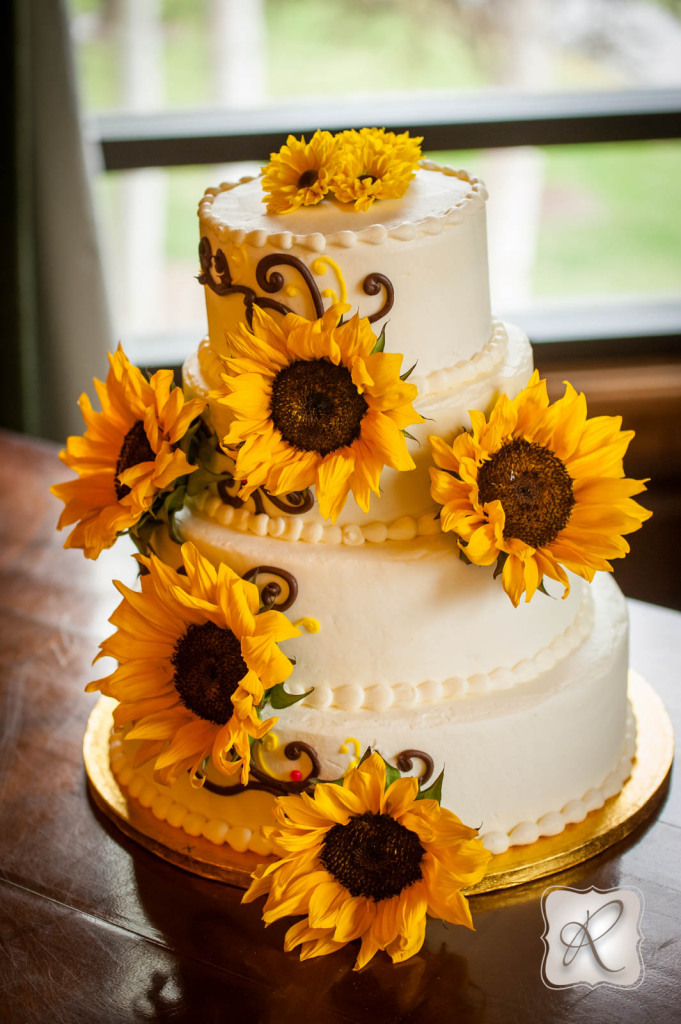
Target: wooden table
x=95 y=929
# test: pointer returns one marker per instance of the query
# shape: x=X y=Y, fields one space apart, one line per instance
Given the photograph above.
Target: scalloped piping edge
x=374 y=234
x=553 y=823
x=164 y=808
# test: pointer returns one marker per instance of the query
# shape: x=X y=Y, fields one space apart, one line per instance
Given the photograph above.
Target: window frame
x=483 y=120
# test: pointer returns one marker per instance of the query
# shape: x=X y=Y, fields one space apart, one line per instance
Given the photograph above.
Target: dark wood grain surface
x=93 y=928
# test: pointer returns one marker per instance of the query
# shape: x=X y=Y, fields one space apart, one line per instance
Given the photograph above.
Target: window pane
x=581 y=221
x=564 y=223
x=155 y=54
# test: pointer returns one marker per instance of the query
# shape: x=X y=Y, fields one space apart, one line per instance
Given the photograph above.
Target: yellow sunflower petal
x=333 y=483
x=404 y=947
x=367 y=782
x=400 y=796
x=353 y=919
x=325 y=902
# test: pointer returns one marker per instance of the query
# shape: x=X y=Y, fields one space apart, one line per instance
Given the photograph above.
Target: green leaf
x=202 y=478
x=380 y=342
x=190 y=443
x=141 y=533
x=391 y=773
x=411 y=437
x=543 y=590
x=501 y=562
x=171 y=506
x=407 y=373
x=434 y=791
x=280 y=698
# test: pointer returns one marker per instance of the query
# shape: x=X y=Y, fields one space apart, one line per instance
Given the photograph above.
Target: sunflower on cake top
x=400 y=509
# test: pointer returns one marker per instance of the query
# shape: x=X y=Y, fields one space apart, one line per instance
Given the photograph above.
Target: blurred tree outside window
x=564 y=222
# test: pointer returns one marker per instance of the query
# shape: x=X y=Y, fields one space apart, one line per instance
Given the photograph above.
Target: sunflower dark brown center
x=373 y=856
x=208 y=668
x=316 y=407
x=308 y=178
x=534 y=488
x=135 y=449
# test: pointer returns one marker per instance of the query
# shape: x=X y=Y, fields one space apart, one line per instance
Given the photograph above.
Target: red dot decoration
x=296 y=776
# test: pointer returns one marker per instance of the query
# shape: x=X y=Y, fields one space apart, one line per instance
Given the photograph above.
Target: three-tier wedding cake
x=405 y=647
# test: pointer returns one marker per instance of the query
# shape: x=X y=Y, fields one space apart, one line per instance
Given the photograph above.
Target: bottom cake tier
x=519 y=763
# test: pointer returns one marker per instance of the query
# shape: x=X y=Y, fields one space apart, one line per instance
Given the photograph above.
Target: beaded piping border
x=292 y=528
x=461 y=374
x=374 y=234
x=241 y=838
x=166 y=808
x=553 y=823
x=381 y=696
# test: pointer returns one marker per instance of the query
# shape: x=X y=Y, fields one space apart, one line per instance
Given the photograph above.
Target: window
x=581 y=241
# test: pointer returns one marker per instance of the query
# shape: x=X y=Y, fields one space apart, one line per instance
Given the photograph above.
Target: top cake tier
x=416 y=264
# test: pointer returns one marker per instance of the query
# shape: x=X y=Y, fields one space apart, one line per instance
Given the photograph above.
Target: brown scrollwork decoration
x=229 y=499
x=259 y=779
x=372 y=285
x=275 y=281
x=218 y=263
x=295 y=748
x=216 y=275
x=295 y=503
x=405 y=762
x=271 y=591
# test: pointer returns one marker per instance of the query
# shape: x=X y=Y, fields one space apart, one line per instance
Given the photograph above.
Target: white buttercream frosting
x=525 y=708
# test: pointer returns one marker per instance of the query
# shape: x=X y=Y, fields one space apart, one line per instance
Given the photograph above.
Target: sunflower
x=127 y=456
x=362 y=861
x=538 y=488
x=316 y=403
x=374 y=164
x=299 y=174
x=195 y=660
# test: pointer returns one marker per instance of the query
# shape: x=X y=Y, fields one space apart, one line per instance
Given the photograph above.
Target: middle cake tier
x=402 y=622
x=404 y=507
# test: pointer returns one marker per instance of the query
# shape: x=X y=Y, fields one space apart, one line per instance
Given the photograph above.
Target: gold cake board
x=619 y=816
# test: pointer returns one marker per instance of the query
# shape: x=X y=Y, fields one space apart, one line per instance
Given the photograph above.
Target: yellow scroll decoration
x=345 y=749
x=319 y=267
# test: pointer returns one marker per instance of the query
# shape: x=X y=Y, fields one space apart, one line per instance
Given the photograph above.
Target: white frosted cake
x=418 y=654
